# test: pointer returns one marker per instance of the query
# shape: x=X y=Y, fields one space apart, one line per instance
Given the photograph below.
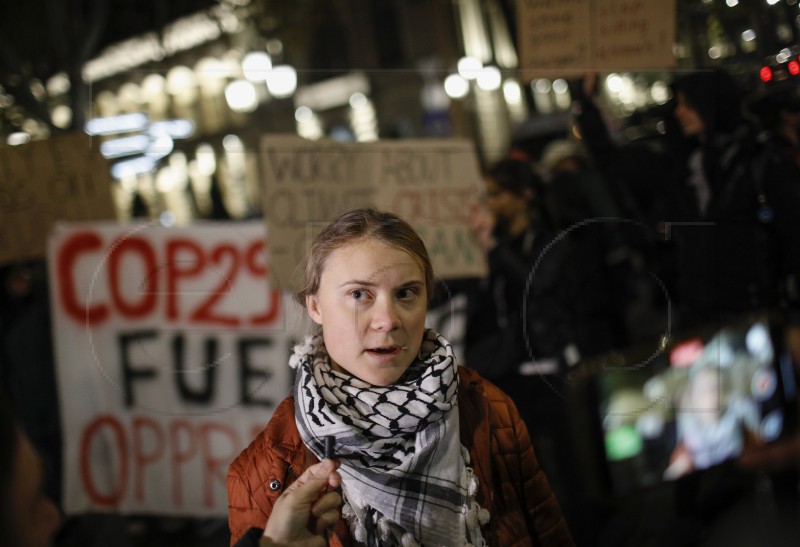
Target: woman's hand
x=305 y=510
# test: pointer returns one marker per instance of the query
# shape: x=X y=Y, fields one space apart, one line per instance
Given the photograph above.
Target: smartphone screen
x=693 y=404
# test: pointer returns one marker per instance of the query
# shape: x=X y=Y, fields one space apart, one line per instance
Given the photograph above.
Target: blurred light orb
x=469 y=67
x=614 y=83
x=241 y=96
x=358 y=100
x=62 y=116
x=167 y=219
x=58 y=84
x=282 y=81
x=512 y=91
x=303 y=114
x=560 y=86
x=660 y=92
x=489 y=78
x=541 y=85
x=232 y=143
x=456 y=86
x=180 y=79
x=256 y=65
x=17 y=138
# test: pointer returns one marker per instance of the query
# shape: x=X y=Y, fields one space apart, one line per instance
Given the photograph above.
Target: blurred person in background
x=601 y=255
x=513 y=223
x=735 y=203
x=777 y=108
x=727 y=209
x=28 y=518
x=519 y=326
x=636 y=174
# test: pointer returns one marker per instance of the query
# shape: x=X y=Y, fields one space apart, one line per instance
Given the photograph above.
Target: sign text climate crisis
x=170 y=275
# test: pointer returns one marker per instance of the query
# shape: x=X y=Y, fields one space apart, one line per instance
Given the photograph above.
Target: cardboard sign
x=61 y=178
x=171 y=353
x=429 y=183
x=566 y=38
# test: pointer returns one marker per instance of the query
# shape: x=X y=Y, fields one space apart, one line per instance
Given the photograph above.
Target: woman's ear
x=312 y=305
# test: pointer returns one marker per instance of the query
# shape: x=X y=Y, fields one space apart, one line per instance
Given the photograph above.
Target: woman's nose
x=384 y=315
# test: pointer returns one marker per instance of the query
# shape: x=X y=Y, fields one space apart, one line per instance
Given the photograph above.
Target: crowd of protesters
x=593 y=244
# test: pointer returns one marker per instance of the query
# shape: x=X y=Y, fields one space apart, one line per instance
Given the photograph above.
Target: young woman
x=431 y=454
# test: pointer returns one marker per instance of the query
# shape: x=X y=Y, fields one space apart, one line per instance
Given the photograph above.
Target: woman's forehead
x=371 y=257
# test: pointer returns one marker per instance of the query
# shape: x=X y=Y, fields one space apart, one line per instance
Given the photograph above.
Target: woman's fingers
x=328 y=502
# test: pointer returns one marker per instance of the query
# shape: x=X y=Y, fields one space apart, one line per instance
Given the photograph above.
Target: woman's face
x=688 y=118
x=371 y=304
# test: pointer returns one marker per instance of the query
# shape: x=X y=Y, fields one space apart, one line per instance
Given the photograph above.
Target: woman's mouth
x=385 y=350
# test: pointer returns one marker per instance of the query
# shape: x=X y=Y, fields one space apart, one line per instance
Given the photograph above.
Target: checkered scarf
x=405 y=480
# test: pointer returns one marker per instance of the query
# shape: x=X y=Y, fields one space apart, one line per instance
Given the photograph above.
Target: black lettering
x=205 y=392
x=247 y=372
x=129 y=374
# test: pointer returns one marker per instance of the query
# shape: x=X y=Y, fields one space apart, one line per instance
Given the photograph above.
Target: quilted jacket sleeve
x=250 y=498
x=523 y=486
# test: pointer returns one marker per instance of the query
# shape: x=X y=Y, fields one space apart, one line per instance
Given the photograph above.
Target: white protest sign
x=171 y=352
x=430 y=183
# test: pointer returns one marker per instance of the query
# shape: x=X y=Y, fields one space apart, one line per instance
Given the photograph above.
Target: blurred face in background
x=688 y=118
x=371 y=304
x=507 y=206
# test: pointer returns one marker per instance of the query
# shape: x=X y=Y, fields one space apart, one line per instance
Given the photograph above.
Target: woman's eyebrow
x=373 y=284
x=358 y=282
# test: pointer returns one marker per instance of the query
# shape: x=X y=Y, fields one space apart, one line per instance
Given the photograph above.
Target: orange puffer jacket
x=512 y=485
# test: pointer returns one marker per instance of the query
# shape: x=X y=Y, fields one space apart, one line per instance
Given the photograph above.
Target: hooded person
x=733 y=207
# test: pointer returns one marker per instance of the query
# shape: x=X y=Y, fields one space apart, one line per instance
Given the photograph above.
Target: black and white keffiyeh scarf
x=405 y=475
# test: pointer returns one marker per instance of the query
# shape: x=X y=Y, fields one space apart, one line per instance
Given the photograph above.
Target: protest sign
x=429 y=183
x=171 y=354
x=567 y=38
x=61 y=178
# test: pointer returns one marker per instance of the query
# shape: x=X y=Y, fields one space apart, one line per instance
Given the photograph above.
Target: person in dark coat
x=734 y=206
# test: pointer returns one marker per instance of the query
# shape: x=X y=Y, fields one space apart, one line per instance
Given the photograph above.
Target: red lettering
x=79 y=243
x=142 y=458
x=204 y=313
x=179 y=457
x=181 y=267
x=259 y=268
x=216 y=466
x=113 y=498
x=148 y=286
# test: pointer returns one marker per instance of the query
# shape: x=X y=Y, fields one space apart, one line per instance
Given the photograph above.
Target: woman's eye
x=357 y=294
x=406 y=294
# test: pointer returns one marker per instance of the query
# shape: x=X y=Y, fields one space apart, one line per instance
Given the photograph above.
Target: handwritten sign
x=429 y=183
x=61 y=178
x=171 y=354
x=566 y=38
